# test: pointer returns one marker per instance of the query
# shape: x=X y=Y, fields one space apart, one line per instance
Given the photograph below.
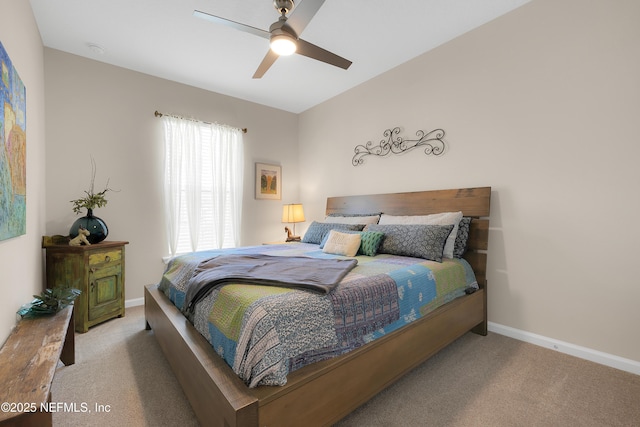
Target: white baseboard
x=606 y=359
x=133 y=302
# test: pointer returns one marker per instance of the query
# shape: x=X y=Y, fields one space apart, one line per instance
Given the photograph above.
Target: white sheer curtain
x=202 y=185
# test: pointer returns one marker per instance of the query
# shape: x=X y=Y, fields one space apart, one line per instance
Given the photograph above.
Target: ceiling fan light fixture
x=283 y=44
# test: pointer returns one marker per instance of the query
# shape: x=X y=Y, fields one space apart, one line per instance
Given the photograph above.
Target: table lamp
x=291 y=214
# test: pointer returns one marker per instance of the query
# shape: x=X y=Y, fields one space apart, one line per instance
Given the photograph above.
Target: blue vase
x=98 y=230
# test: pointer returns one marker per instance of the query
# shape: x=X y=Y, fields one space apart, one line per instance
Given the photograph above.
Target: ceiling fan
x=283 y=34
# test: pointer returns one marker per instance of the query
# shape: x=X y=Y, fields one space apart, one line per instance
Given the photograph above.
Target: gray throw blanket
x=320 y=275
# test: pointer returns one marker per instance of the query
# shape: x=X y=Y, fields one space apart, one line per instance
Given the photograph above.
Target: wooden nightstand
x=98 y=271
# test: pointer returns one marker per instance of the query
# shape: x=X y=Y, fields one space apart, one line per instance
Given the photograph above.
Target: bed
x=323 y=392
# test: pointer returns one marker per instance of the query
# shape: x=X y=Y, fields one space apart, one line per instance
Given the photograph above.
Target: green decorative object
x=50 y=301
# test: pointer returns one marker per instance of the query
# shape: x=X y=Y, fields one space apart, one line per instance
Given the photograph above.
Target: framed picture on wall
x=268 y=181
x=13 y=146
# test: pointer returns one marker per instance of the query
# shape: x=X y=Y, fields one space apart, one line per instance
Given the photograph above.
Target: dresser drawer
x=100 y=258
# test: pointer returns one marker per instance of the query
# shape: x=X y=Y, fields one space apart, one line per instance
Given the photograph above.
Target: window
x=203 y=169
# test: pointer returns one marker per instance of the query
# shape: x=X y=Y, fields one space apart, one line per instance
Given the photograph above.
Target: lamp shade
x=292 y=213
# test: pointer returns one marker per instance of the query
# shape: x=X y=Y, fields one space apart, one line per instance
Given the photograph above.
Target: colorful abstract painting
x=13 y=150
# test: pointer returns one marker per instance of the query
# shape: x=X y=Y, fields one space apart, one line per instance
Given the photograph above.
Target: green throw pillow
x=370 y=242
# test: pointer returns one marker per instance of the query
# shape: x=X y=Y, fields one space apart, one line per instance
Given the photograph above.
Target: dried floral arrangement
x=91 y=200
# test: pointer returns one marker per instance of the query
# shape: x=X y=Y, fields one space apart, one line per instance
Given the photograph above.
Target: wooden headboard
x=473 y=202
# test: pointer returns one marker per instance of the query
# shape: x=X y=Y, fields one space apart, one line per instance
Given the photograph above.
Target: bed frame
x=327 y=391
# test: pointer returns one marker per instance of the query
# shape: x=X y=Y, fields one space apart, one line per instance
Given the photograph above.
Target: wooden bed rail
x=317 y=392
x=194 y=362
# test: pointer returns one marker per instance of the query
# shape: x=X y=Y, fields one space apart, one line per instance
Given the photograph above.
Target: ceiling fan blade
x=312 y=51
x=232 y=24
x=302 y=14
x=266 y=63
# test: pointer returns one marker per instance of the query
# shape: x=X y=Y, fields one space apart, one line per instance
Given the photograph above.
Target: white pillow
x=342 y=243
x=352 y=219
x=444 y=218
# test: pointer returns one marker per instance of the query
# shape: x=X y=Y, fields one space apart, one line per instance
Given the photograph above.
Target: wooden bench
x=28 y=361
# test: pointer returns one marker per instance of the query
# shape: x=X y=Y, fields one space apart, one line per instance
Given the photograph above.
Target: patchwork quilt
x=264 y=332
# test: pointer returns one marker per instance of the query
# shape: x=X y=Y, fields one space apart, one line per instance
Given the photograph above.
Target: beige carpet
x=477 y=381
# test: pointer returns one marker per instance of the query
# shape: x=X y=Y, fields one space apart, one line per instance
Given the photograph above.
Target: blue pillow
x=462 y=237
x=318 y=230
x=415 y=240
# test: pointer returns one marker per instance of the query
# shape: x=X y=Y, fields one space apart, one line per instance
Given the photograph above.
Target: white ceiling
x=162 y=38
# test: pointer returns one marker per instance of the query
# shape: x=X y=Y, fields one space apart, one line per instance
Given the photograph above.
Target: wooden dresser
x=98 y=271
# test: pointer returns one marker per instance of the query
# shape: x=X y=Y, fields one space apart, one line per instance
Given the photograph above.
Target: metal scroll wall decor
x=393 y=144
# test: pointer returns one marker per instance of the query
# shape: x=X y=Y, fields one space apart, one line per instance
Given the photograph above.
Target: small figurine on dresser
x=81 y=238
x=290 y=236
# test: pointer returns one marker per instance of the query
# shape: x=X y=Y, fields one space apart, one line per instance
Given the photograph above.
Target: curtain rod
x=159 y=114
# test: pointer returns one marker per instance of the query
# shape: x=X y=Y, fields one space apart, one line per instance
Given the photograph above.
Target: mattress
x=265 y=332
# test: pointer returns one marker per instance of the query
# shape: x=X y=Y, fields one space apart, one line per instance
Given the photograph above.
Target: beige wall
x=541 y=105
x=21 y=257
x=95 y=109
